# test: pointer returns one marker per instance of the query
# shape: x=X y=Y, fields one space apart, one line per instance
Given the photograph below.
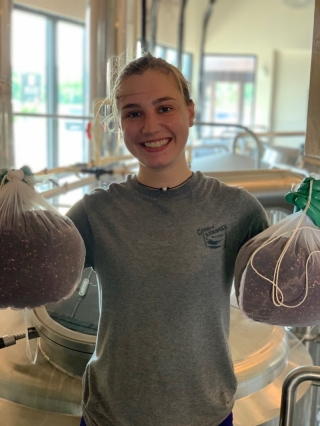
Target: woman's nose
x=150 y=124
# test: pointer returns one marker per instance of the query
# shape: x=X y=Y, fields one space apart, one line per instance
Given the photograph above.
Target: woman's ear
x=191 y=113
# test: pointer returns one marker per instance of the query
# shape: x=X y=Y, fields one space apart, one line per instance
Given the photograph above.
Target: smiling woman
x=154 y=121
x=151 y=102
x=162 y=355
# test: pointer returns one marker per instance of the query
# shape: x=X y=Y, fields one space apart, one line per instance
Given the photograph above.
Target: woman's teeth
x=156 y=144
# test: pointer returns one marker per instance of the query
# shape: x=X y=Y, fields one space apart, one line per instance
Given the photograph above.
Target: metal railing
x=259 y=147
x=56 y=116
x=289 y=387
x=269 y=135
x=244 y=133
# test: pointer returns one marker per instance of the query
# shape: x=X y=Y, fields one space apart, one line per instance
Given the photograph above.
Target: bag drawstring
x=277 y=295
x=12 y=175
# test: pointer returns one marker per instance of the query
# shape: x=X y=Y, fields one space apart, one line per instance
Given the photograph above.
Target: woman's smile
x=156 y=145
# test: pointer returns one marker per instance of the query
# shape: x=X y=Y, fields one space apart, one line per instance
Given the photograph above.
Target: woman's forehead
x=150 y=83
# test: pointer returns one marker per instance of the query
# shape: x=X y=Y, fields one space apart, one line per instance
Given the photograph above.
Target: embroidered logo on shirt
x=214 y=238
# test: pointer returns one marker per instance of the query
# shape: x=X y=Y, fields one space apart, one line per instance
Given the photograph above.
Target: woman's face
x=154 y=119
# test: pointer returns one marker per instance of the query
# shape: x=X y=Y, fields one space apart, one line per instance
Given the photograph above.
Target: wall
x=69 y=8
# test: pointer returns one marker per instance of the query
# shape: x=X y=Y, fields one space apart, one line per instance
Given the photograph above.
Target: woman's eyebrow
x=126 y=106
x=155 y=102
x=165 y=98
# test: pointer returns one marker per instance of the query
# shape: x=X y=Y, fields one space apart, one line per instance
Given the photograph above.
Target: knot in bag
x=307 y=192
x=41 y=251
x=277 y=276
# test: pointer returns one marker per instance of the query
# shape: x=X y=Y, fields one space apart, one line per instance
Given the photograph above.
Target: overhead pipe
x=6 y=123
x=106 y=24
x=153 y=25
x=206 y=19
x=112 y=39
x=181 y=32
x=144 y=43
x=98 y=49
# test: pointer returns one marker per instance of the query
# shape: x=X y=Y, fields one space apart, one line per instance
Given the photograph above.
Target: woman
x=163 y=245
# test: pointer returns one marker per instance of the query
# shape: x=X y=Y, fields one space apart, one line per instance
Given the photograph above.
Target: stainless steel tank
x=48 y=392
x=34 y=394
x=263 y=355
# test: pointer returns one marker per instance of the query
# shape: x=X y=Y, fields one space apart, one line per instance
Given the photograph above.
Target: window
x=171 y=56
x=48 y=90
x=229 y=83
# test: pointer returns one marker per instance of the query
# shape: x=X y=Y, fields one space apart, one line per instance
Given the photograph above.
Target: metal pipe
x=68 y=187
x=247 y=130
x=206 y=18
x=112 y=34
x=153 y=25
x=273 y=134
x=96 y=52
x=131 y=27
x=105 y=22
x=305 y=334
x=112 y=28
x=289 y=387
x=144 y=44
x=6 y=126
x=57 y=116
x=181 y=32
x=260 y=181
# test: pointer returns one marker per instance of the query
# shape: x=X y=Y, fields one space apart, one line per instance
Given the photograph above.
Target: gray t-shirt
x=165 y=264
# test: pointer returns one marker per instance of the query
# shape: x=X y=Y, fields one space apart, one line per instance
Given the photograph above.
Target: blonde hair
x=140 y=66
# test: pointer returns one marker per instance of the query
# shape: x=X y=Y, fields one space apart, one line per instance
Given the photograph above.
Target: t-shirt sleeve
x=79 y=217
x=254 y=218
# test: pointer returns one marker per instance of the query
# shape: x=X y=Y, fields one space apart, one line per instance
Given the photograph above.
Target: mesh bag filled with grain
x=277 y=278
x=41 y=252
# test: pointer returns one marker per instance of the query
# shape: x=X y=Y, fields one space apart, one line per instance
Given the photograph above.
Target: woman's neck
x=163 y=178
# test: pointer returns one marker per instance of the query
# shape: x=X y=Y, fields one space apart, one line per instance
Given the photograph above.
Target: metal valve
x=6 y=341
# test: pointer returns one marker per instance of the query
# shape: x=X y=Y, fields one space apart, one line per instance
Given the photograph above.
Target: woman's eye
x=133 y=114
x=165 y=109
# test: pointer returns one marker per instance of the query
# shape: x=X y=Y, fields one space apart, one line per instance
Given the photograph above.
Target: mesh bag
x=277 y=278
x=41 y=252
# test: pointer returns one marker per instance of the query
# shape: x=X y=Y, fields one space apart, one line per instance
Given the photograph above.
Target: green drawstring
x=299 y=198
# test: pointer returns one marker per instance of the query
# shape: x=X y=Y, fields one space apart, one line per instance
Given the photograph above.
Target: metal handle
x=289 y=387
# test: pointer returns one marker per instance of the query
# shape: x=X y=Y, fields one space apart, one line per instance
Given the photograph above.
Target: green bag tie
x=300 y=195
